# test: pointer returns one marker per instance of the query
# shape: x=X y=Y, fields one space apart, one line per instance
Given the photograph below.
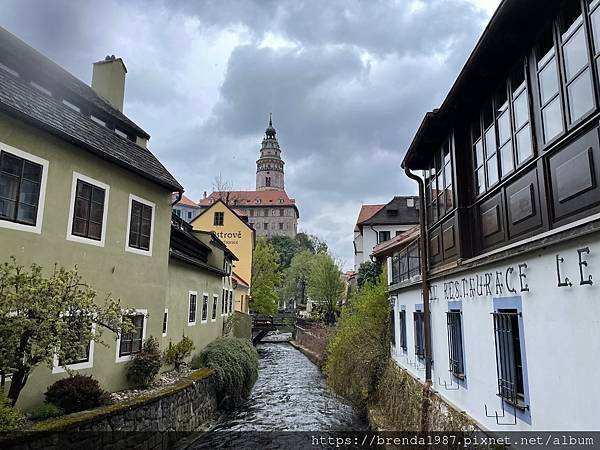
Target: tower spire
x=270 y=131
x=269 y=166
x=270 y=119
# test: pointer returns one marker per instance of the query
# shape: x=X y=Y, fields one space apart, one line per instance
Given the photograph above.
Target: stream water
x=290 y=395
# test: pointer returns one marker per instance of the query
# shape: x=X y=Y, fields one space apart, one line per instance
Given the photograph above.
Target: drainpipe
x=424 y=272
x=179 y=196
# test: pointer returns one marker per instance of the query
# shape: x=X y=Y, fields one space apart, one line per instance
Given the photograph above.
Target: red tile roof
x=367 y=211
x=250 y=198
x=187 y=202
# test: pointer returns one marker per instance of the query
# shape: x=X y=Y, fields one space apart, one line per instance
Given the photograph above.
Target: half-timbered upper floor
x=514 y=150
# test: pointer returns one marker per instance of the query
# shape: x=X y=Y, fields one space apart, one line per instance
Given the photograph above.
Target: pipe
x=424 y=272
x=179 y=197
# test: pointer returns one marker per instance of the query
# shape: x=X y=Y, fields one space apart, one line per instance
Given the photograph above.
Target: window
x=178 y=212
x=131 y=343
x=281 y=212
x=391 y=212
x=439 y=185
x=165 y=324
x=219 y=219
x=204 y=307
x=193 y=307
x=213 y=316
x=281 y=225
x=230 y=301
x=141 y=220
x=189 y=215
x=268 y=181
x=383 y=236
x=98 y=120
x=89 y=205
x=82 y=356
x=402 y=326
x=20 y=189
x=410 y=202
x=71 y=105
x=41 y=88
x=455 y=344
x=266 y=225
x=508 y=356
x=223 y=311
x=121 y=133
x=419 y=334
x=392 y=327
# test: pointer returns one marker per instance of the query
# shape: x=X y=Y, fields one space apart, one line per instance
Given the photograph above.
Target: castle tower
x=269 y=167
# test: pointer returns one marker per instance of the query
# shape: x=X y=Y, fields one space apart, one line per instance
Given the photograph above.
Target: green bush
x=10 y=418
x=176 y=354
x=46 y=411
x=145 y=365
x=235 y=362
x=77 y=393
x=359 y=348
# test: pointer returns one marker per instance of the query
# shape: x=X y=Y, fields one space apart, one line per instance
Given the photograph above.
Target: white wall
x=560 y=332
x=368 y=240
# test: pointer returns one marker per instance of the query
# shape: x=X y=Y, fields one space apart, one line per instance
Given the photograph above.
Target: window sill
x=83 y=240
x=139 y=251
x=519 y=404
x=21 y=226
x=191 y=324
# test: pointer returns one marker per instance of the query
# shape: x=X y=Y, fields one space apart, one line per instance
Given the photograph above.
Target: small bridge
x=264 y=324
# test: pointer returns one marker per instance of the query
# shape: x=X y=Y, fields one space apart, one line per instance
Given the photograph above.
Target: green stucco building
x=78 y=186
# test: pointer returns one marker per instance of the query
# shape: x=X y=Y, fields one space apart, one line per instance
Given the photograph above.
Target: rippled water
x=290 y=395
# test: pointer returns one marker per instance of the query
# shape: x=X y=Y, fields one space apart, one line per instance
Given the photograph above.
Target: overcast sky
x=348 y=82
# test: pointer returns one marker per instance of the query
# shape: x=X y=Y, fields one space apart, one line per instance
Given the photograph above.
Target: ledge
x=68 y=421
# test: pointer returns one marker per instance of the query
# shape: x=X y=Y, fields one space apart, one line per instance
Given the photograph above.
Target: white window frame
x=190 y=324
x=205 y=295
x=139 y=251
x=81 y=239
x=37 y=228
x=136 y=312
x=57 y=368
x=215 y=308
x=167 y=322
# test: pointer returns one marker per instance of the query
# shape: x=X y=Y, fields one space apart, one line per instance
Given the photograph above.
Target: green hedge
x=235 y=363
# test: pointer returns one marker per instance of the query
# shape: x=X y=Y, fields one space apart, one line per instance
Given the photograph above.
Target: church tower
x=269 y=167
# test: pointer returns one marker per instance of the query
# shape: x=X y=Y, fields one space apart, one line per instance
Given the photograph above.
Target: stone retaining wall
x=187 y=406
x=312 y=337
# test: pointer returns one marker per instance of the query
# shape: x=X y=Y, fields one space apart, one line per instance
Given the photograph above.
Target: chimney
x=108 y=80
x=204 y=194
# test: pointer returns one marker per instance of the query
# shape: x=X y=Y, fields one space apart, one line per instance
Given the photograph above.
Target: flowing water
x=290 y=395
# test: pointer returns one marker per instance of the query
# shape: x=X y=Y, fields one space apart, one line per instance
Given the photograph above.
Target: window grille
x=392 y=328
x=508 y=356
x=402 y=325
x=419 y=319
x=455 y=344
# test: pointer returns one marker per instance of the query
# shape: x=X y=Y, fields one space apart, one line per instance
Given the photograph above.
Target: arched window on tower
x=268 y=181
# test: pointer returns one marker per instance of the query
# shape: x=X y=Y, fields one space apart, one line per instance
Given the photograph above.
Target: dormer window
x=121 y=133
x=98 y=121
x=41 y=88
x=71 y=105
x=410 y=202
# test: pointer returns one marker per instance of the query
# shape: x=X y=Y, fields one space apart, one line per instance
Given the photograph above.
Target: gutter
x=179 y=197
x=424 y=272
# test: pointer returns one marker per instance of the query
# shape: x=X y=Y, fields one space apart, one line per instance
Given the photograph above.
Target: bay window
x=439 y=184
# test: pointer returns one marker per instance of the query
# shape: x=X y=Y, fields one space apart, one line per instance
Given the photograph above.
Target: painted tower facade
x=269 y=166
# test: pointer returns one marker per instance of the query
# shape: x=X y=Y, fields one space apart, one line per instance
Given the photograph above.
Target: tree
x=266 y=278
x=296 y=277
x=286 y=247
x=311 y=243
x=224 y=189
x=41 y=317
x=368 y=272
x=325 y=286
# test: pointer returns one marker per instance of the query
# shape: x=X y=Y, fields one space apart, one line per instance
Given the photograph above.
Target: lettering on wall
x=510 y=281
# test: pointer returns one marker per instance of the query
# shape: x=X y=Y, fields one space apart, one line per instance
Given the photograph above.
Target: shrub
x=77 y=393
x=235 y=363
x=176 y=354
x=10 y=418
x=46 y=411
x=145 y=365
x=359 y=348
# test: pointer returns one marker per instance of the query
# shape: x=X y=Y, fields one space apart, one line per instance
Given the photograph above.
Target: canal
x=289 y=395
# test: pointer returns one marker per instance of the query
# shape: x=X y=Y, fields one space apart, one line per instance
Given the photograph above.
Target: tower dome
x=269 y=166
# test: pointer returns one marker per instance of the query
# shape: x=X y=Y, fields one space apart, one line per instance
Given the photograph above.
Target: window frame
x=221 y=221
x=456 y=352
x=88 y=364
x=419 y=327
x=213 y=313
x=129 y=357
x=193 y=294
x=431 y=177
x=80 y=239
x=165 y=324
x=128 y=248
x=204 y=310
x=403 y=344
x=37 y=228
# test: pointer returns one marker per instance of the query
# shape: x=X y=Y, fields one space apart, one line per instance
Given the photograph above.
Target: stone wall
x=405 y=403
x=242 y=327
x=312 y=336
x=150 y=422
